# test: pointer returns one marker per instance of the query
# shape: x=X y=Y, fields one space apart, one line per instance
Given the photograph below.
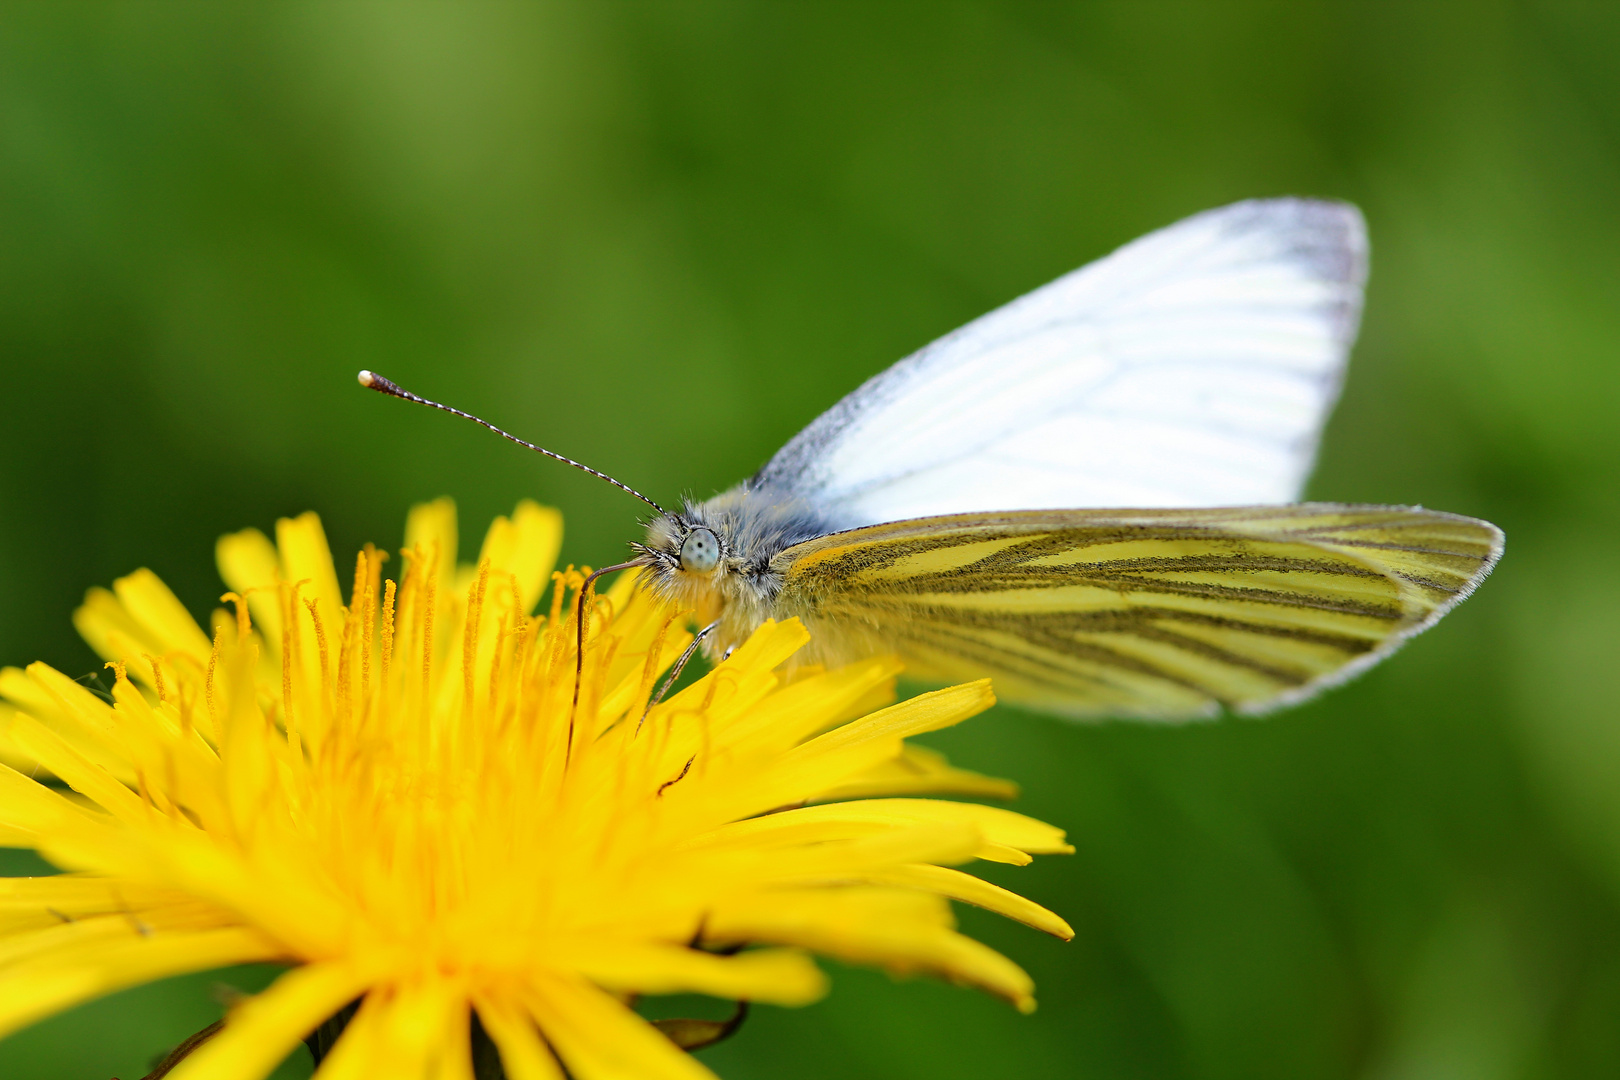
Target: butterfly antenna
x=372 y=381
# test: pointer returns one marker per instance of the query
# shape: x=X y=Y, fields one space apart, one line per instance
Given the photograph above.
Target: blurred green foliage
x=661 y=238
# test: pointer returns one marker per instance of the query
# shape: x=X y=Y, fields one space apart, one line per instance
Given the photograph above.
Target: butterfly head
x=716 y=557
x=689 y=559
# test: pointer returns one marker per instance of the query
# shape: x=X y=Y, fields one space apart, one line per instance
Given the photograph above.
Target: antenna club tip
x=373 y=381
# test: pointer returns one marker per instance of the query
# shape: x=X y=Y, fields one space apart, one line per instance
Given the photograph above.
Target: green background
x=662 y=238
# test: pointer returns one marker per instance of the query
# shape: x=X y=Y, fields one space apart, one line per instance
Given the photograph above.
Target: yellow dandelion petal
x=976 y=891
x=82 y=720
x=169 y=626
x=112 y=957
x=523 y=1054
x=10 y=753
x=997 y=826
x=33 y=810
x=921 y=771
x=779 y=976
x=915 y=716
x=600 y=1039
x=400 y=1031
x=249 y=565
x=301 y=543
x=420 y=796
x=264 y=1028
x=80 y=773
x=901 y=931
x=526 y=548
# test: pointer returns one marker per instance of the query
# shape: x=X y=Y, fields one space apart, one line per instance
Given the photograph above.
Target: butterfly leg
x=675 y=672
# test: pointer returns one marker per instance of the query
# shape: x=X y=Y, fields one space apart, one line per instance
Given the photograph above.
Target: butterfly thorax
x=740 y=592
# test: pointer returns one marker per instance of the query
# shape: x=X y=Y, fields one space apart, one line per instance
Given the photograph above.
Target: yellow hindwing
x=1161 y=614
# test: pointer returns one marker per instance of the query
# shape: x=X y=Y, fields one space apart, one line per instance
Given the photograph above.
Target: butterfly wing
x=1194 y=367
x=1152 y=614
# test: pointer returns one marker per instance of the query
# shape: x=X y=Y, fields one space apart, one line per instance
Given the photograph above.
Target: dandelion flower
x=399 y=798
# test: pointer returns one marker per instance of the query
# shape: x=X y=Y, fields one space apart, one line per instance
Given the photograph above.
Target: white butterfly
x=948 y=509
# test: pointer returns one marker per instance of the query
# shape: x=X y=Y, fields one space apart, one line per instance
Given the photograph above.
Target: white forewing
x=1193 y=367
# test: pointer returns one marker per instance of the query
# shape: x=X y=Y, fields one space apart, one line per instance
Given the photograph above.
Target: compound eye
x=700 y=552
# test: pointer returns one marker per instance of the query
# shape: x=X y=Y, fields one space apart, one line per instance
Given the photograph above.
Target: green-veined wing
x=1163 y=614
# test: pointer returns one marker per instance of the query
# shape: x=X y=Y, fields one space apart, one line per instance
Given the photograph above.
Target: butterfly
x=958 y=509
